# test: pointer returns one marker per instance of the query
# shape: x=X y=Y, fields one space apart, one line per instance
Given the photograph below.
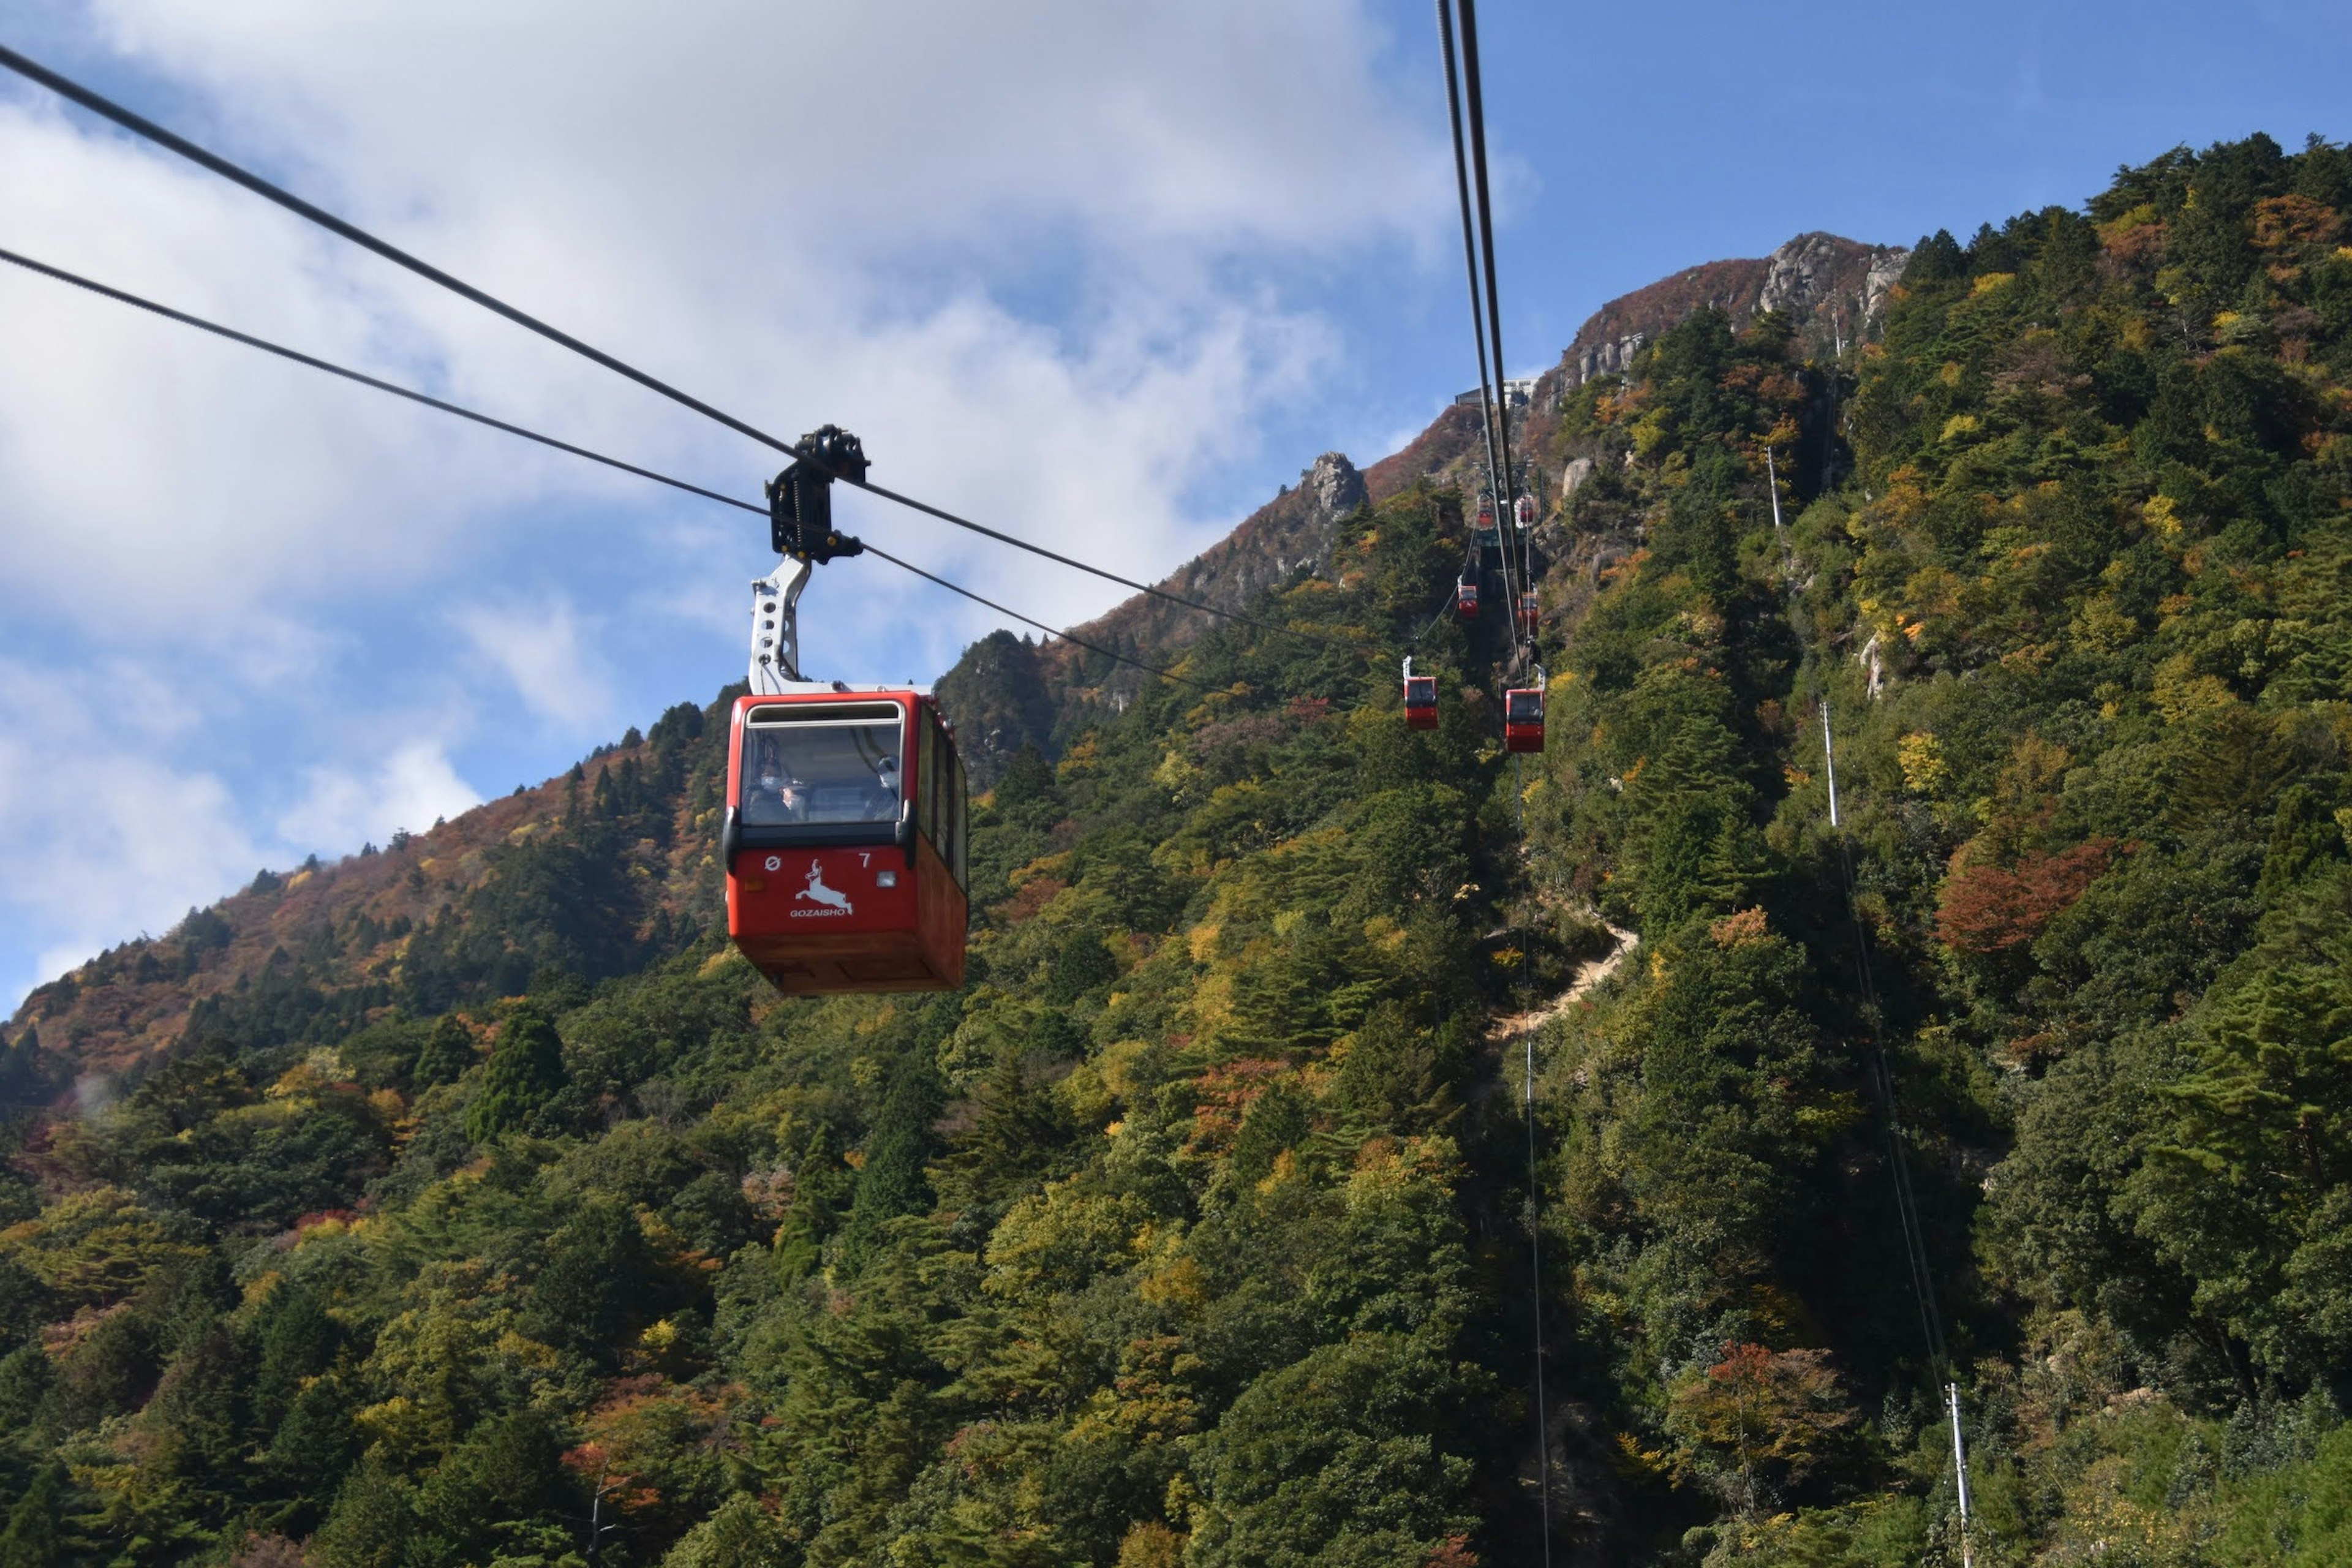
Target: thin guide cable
x=1487 y=399
x=1475 y=99
x=376 y=383
x=99 y=104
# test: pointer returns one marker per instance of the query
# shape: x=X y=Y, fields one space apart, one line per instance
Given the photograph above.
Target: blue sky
x=1103 y=275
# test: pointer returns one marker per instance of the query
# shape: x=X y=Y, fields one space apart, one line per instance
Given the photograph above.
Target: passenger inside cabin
x=821 y=772
x=773 y=795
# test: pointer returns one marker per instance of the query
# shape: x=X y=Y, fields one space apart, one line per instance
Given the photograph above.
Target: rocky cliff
x=1006 y=692
x=1834 y=289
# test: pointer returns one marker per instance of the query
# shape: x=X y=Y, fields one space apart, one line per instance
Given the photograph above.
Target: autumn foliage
x=1987 y=908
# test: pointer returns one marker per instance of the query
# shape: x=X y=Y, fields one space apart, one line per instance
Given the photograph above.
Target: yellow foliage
x=93 y=1247
x=1921 y=757
x=1990 y=283
x=2181 y=693
x=1151 y=1544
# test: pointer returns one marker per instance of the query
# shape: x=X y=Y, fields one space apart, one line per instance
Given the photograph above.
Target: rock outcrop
x=1833 y=289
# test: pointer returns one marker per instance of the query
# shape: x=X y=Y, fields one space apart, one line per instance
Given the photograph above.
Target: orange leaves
x=1988 y=909
x=1758 y=1416
x=1225 y=1093
x=2295 y=220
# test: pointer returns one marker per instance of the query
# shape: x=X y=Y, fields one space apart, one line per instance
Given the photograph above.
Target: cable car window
x=959 y=817
x=931 y=781
x=1523 y=707
x=825 y=764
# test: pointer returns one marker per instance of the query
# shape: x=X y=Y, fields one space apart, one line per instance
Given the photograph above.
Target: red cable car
x=1420 y=699
x=1524 y=510
x=1465 y=598
x=846 y=806
x=1488 y=536
x=845 y=842
x=1523 y=719
x=1531 y=610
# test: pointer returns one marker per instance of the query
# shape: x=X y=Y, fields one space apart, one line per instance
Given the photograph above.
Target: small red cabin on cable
x=844 y=841
x=1523 y=719
x=1531 y=610
x=1465 y=598
x=1524 y=510
x=1487 y=536
x=1420 y=700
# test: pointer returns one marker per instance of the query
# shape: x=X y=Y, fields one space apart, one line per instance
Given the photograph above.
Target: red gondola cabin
x=1523 y=719
x=843 y=842
x=1421 y=702
x=1530 y=611
x=1465 y=598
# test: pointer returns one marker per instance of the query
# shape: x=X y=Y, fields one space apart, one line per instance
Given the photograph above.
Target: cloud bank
x=1054 y=261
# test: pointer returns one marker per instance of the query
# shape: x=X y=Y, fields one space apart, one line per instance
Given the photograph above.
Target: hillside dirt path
x=1592 y=973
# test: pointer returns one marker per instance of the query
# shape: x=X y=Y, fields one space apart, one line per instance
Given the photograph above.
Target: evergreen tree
x=525 y=1073
x=447 y=1053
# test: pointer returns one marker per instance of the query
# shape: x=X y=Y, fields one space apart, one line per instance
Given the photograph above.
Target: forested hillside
x=494 y=1212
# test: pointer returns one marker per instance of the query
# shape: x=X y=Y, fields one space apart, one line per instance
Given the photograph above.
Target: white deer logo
x=818 y=893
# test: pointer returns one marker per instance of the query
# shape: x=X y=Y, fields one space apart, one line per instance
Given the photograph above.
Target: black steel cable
x=1916 y=1257
x=312 y=362
x=1041 y=626
x=1535 y=1188
x=73 y=92
x=1469 y=235
x=97 y=104
x=375 y=383
x=1489 y=398
x=1477 y=114
x=929 y=511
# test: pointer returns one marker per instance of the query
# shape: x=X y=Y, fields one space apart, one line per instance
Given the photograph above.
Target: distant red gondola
x=1465 y=598
x=1488 y=536
x=1420 y=700
x=1523 y=719
x=1530 y=611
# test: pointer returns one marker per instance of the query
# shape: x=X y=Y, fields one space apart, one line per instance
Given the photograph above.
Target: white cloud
x=1049 y=257
x=100 y=836
x=339 y=807
x=544 y=650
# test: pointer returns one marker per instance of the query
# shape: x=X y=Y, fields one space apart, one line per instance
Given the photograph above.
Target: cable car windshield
x=1523 y=707
x=830 y=763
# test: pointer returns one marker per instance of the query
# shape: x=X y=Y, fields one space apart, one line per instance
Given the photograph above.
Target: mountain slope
x=1194 y=1229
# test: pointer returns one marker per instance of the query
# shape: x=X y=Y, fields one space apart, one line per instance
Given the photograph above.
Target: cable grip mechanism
x=800 y=527
x=800 y=499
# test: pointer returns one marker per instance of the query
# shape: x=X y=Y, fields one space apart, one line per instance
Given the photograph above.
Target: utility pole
x=1829 y=760
x=1960 y=1468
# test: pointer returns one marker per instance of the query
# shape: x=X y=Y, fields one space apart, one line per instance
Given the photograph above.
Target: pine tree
x=525 y=1072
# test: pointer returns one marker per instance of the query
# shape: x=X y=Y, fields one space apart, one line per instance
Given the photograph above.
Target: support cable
x=138 y=303
x=1488 y=400
x=377 y=384
x=1476 y=101
x=1485 y=332
x=184 y=319
x=106 y=108
x=1917 y=1261
x=1041 y=626
x=1535 y=1193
